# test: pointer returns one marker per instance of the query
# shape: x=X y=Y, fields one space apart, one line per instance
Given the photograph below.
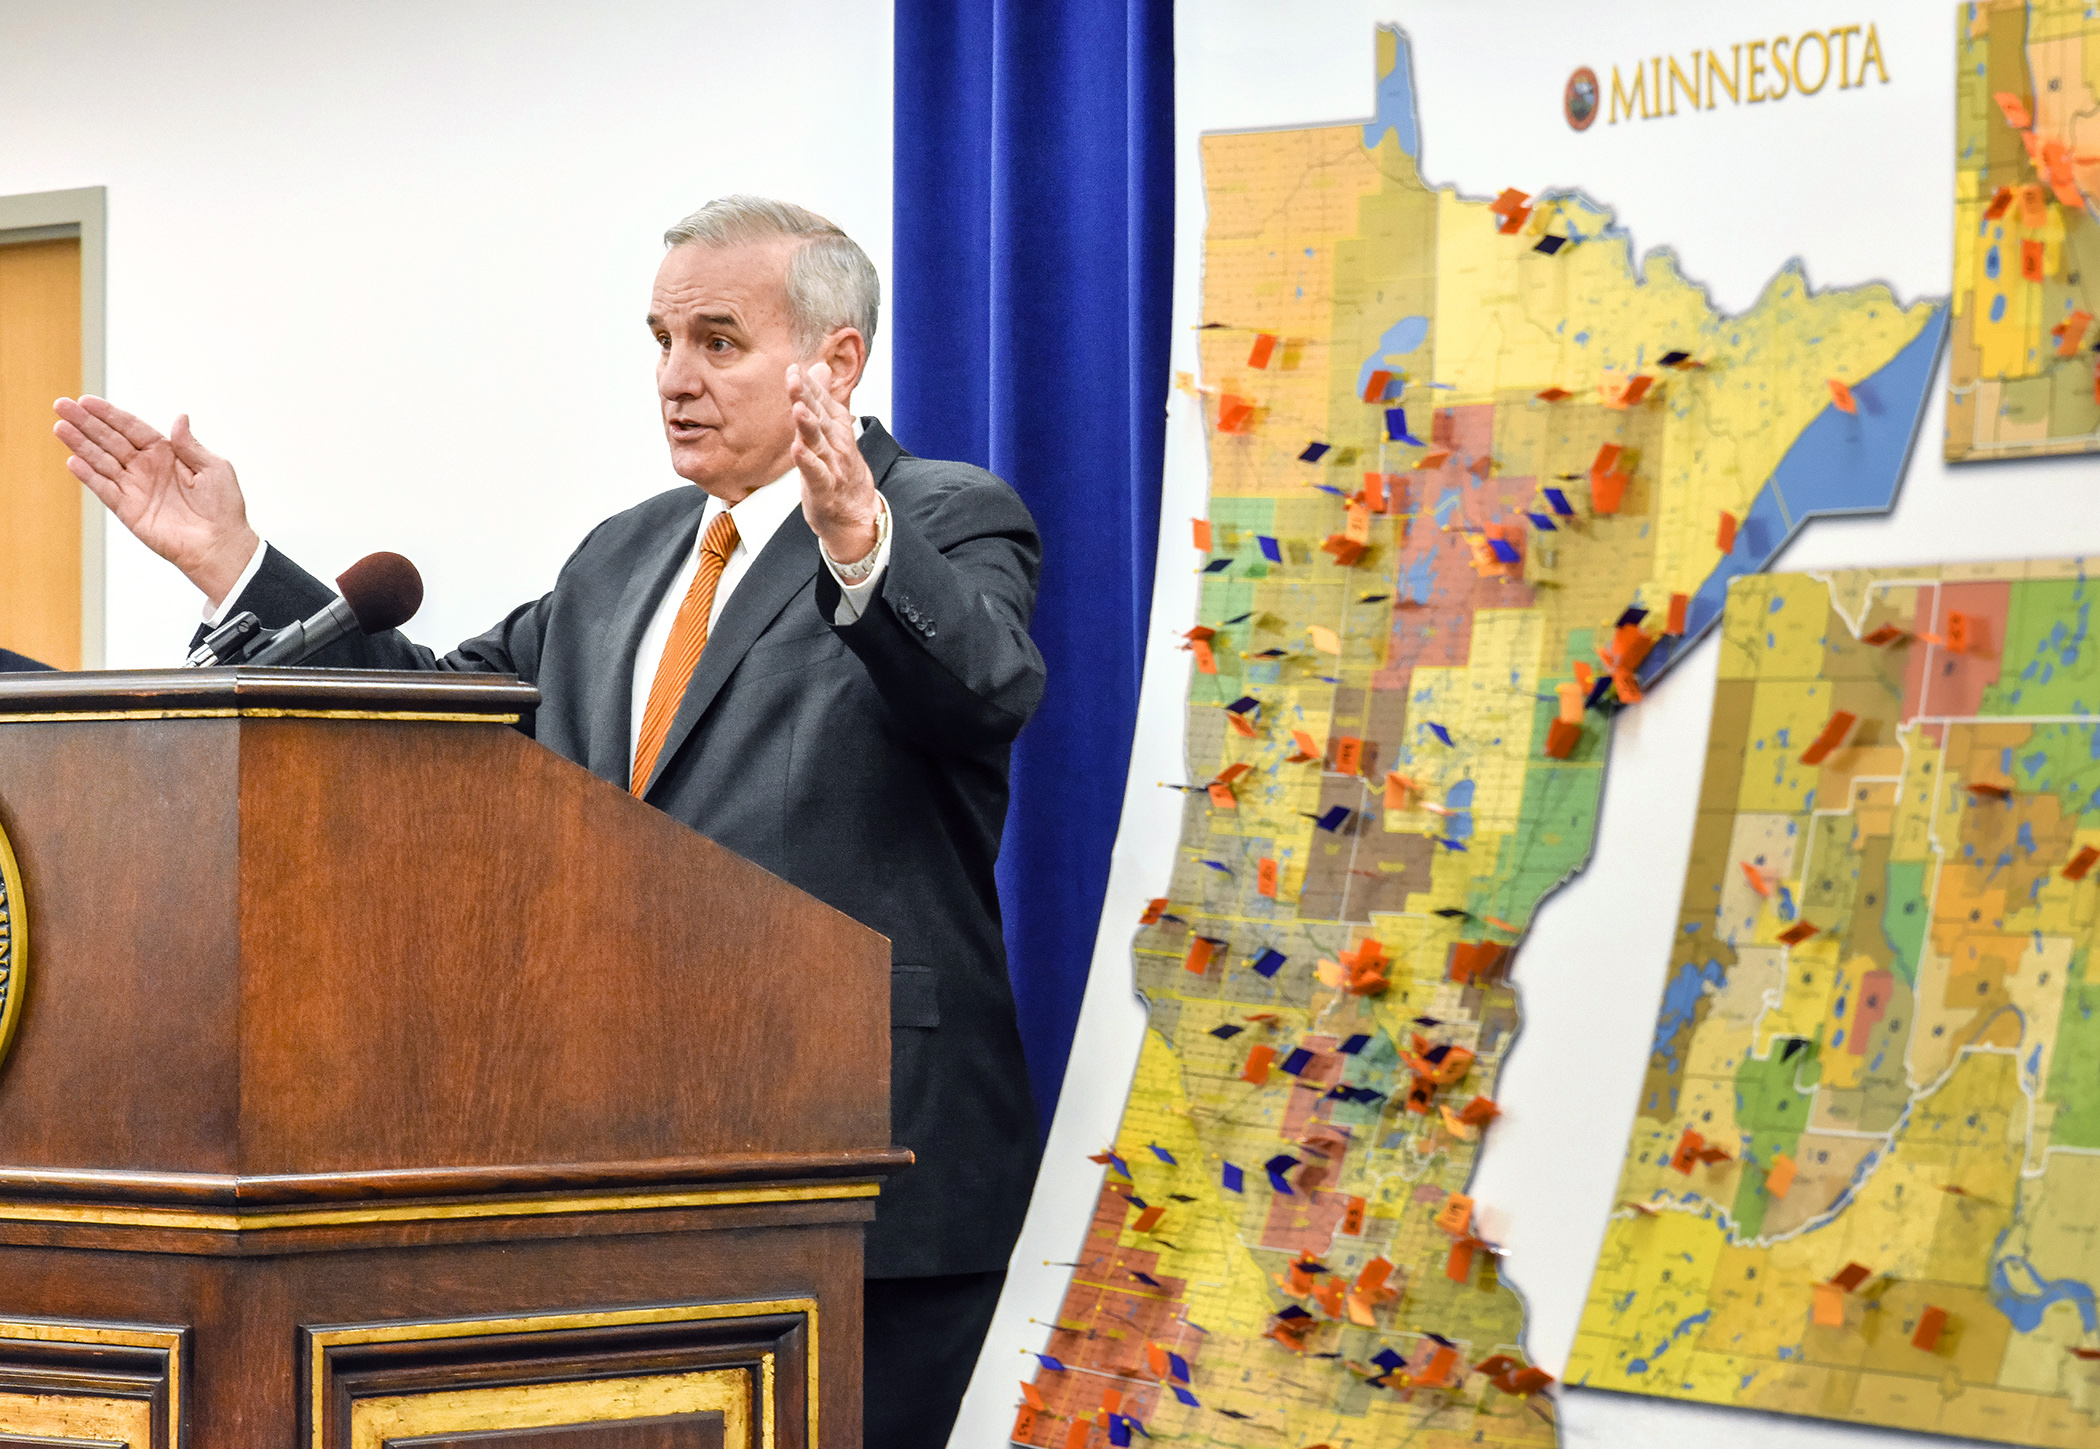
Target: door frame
x=49 y=216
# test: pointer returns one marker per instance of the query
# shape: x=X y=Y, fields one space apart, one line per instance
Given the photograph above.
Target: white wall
x=1859 y=184
x=393 y=259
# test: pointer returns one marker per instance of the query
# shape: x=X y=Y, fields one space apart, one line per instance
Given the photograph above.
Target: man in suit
x=13 y=663
x=818 y=657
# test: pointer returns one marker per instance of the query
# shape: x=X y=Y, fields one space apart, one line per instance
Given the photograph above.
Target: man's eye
x=718 y=344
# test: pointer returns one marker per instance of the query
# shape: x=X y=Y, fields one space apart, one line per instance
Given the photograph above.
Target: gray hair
x=830 y=281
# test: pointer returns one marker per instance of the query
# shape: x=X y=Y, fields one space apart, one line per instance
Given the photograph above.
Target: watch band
x=860 y=569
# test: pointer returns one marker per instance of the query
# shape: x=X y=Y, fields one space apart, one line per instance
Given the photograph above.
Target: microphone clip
x=231 y=643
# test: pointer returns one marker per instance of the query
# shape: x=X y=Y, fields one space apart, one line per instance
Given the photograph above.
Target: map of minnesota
x=1475 y=478
x=1864 y=1180
x=2021 y=371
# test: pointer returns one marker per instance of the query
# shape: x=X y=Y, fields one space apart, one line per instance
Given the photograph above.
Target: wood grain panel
x=438 y=973
x=250 y=1388
x=127 y=1055
x=39 y=501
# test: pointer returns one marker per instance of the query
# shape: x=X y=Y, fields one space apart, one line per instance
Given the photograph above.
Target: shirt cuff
x=854 y=598
x=213 y=618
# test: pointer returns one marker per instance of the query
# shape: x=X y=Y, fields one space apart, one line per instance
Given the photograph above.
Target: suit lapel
x=776 y=576
x=611 y=739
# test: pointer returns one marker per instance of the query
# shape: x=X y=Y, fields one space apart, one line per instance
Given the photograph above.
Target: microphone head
x=383 y=590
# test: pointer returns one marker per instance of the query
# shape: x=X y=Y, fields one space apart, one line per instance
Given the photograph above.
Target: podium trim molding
x=414 y=716
x=193 y=1220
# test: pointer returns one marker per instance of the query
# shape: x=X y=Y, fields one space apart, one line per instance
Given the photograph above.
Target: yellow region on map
x=2021 y=368
x=1864 y=1180
x=1477 y=473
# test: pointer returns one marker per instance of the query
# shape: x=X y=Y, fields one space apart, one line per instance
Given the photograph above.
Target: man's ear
x=847 y=353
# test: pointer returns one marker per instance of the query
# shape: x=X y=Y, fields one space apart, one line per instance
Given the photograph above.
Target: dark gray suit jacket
x=865 y=763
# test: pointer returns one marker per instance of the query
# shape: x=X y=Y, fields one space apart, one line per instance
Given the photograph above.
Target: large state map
x=1864 y=1180
x=2021 y=366
x=1477 y=473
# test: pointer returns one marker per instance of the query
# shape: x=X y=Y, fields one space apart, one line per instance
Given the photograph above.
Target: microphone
x=381 y=591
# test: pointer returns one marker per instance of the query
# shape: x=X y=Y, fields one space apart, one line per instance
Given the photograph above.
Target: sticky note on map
x=1931 y=1324
x=1324 y=639
x=1202 y=532
x=1264 y=347
x=1828 y=1310
x=2082 y=863
x=1201 y=949
x=1841 y=397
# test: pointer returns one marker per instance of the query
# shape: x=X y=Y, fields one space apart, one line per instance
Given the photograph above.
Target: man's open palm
x=178 y=497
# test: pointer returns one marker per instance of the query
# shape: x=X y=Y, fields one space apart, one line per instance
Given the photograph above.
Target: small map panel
x=2021 y=370
x=1864 y=1180
x=1477 y=473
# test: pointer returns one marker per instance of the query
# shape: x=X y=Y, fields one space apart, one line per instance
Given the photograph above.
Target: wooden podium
x=383 y=1079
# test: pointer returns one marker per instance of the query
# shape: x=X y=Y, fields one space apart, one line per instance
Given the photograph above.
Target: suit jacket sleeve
x=283 y=593
x=946 y=638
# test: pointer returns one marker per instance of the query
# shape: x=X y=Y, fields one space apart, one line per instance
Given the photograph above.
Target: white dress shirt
x=758 y=517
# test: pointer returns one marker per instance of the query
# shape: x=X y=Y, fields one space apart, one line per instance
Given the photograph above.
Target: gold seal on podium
x=14 y=945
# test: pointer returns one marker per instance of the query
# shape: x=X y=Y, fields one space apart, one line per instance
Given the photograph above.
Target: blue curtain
x=1030 y=312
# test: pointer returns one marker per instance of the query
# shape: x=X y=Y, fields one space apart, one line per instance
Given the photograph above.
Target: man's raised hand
x=179 y=498
x=838 y=491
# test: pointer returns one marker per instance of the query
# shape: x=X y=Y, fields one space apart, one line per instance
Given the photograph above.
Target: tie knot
x=720 y=541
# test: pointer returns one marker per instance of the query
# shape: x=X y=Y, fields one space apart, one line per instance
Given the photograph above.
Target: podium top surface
x=352 y=693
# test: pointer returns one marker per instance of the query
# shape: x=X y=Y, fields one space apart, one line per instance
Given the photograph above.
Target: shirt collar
x=762 y=511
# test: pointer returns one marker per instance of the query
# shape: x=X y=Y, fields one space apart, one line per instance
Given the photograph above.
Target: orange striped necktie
x=682 y=649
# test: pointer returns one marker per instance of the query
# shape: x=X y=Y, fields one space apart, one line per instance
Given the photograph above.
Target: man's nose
x=682 y=374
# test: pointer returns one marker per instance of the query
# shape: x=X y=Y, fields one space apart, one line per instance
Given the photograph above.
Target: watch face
x=1579 y=101
x=14 y=945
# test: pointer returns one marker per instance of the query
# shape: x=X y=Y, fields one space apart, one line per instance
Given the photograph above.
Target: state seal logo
x=14 y=946
x=1579 y=101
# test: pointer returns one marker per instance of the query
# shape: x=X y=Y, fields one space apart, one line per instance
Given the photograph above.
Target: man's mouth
x=682 y=429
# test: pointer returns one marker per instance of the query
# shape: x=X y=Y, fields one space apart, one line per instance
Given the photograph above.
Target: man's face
x=721 y=322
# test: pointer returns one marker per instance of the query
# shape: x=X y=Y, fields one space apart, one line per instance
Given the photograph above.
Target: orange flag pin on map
x=1781 y=1175
x=1841 y=395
